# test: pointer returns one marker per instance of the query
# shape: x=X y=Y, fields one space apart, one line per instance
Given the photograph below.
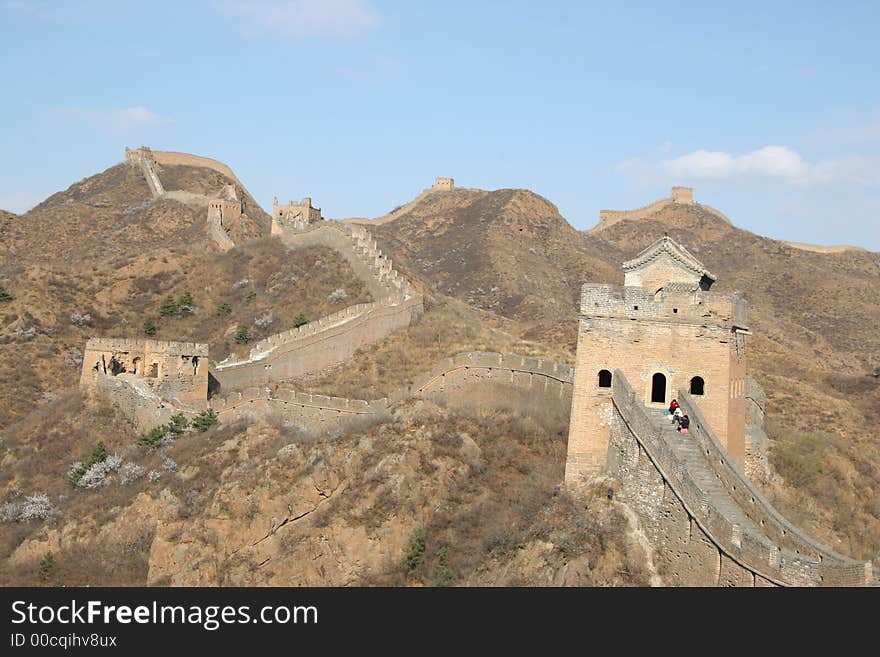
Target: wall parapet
x=507 y=366
x=833 y=568
x=674 y=303
x=155 y=346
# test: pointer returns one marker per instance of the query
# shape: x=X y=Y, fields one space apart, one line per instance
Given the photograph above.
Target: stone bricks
x=677 y=337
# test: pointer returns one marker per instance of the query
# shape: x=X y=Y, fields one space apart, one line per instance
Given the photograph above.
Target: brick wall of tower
x=679 y=334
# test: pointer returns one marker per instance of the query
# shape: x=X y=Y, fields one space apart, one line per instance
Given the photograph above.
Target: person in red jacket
x=673 y=405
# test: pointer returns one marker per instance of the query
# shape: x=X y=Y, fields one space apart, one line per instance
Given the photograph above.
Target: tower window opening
x=604 y=379
x=697 y=386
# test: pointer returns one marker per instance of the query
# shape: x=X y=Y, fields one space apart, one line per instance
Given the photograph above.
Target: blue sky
x=771 y=111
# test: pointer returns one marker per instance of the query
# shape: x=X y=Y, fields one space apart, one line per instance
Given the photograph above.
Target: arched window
x=658 y=388
x=604 y=379
x=697 y=385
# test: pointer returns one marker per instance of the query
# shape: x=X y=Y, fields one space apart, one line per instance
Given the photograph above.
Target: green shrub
x=186 y=304
x=415 y=553
x=46 y=566
x=250 y=296
x=99 y=454
x=442 y=574
x=204 y=420
x=171 y=429
x=223 y=309
x=300 y=320
x=169 y=307
x=243 y=334
x=4 y=295
x=149 y=327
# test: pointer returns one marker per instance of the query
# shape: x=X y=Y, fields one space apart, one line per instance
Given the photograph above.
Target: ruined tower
x=665 y=331
x=296 y=216
x=174 y=370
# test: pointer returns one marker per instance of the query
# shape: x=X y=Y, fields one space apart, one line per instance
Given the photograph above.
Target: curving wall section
x=608 y=218
x=539 y=387
x=334 y=338
x=707 y=522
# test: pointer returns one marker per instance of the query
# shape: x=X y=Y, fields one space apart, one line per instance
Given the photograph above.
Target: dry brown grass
x=501 y=497
x=830 y=487
x=259 y=279
x=277 y=282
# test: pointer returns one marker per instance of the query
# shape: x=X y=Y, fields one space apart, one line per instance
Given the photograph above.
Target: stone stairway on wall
x=331 y=339
x=699 y=481
x=149 y=168
x=368 y=250
x=218 y=232
x=694 y=459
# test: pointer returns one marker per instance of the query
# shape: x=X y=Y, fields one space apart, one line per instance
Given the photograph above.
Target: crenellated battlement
x=153 y=346
x=679 y=303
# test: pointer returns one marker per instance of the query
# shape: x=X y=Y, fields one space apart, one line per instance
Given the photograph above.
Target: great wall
x=706 y=521
x=222 y=209
x=680 y=196
x=685 y=196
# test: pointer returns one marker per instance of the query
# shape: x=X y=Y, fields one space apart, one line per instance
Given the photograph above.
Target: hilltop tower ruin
x=294 y=215
x=665 y=331
x=444 y=184
x=174 y=370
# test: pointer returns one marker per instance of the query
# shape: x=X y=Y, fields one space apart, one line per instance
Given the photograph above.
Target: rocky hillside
x=813 y=315
x=101 y=257
x=507 y=251
x=426 y=495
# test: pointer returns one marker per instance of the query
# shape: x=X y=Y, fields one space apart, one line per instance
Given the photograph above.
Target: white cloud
x=127 y=118
x=304 y=18
x=139 y=114
x=772 y=161
x=779 y=163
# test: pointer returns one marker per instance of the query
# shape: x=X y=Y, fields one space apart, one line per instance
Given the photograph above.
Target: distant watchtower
x=683 y=195
x=665 y=331
x=296 y=216
x=444 y=184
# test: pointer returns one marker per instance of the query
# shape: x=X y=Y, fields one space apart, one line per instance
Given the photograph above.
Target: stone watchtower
x=296 y=216
x=665 y=331
x=177 y=370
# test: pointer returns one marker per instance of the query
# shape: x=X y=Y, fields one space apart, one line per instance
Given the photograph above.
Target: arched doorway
x=658 y=388
x=604 y=379
x=697 y=385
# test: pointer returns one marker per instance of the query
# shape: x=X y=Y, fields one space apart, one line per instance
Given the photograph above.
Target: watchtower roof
x=667 y=246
